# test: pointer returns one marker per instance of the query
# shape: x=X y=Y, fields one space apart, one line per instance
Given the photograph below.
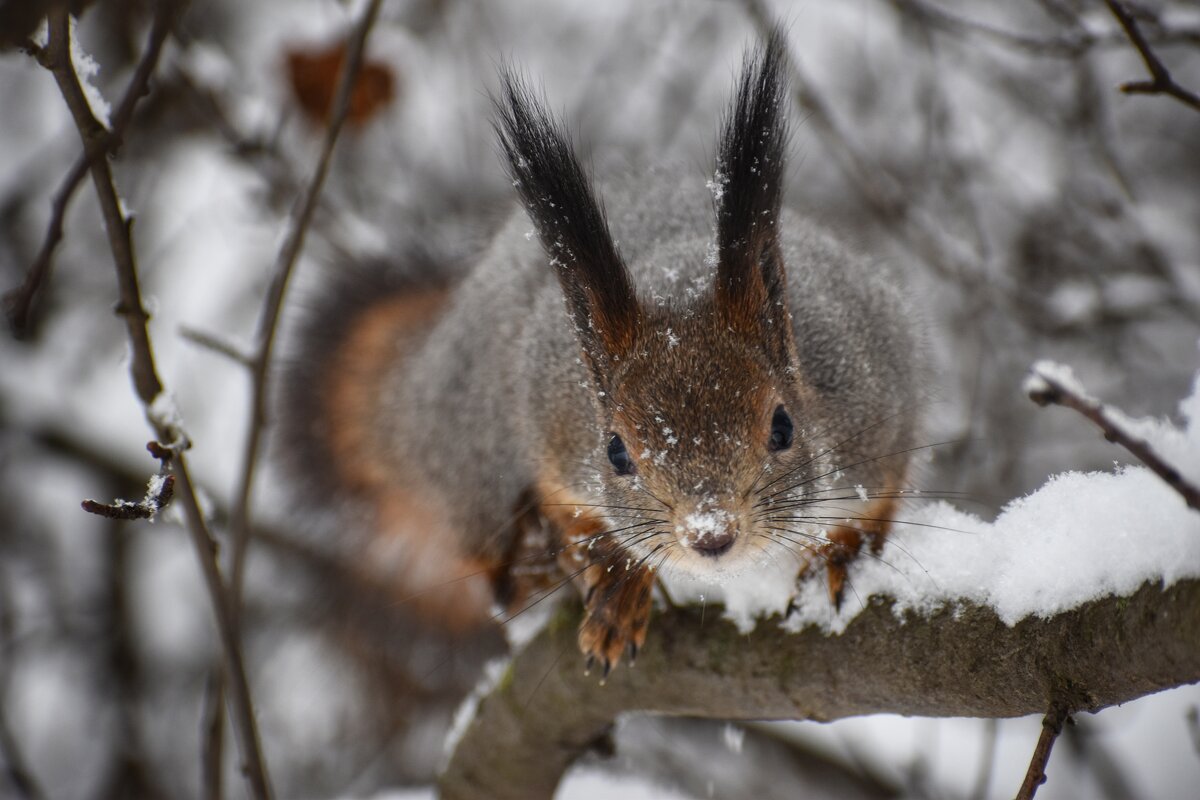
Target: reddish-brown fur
x=432 y=574
x=846 y=541
x=616 y=591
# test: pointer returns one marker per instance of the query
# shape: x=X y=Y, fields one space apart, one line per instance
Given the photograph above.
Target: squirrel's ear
x=747 y=193
x=558 y=195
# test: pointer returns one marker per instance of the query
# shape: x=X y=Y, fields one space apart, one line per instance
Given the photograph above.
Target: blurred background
x=982 y=147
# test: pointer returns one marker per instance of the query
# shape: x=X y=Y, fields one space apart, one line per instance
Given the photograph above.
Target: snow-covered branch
x=1053 y=383
x=961 y=661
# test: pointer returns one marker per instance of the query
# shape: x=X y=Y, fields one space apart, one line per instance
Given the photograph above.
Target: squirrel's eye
x=619 y=456
x=781 y=430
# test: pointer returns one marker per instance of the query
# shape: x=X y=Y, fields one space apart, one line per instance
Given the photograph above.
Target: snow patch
x=1080 y=537
x=86 y=69
x=493 y=672
x=717 y=186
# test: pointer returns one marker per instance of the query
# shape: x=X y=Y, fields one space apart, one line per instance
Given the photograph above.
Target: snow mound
x=1080 y=537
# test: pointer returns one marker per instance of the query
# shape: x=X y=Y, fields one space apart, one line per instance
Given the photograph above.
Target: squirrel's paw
x=842 y=547
x=616 y=614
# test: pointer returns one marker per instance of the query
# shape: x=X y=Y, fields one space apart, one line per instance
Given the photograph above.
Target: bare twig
x=1069 y=44
x=57 y=58
x=216 y=344
x=260 y=361
x=212 y=733
x=158 y=495
x=1161 y=81
x=1035 y=776
x=1047 y=384
x=19 y=302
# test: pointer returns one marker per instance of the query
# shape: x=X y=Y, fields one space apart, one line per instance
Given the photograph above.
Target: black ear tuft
x=748 y=185
x=558 y=196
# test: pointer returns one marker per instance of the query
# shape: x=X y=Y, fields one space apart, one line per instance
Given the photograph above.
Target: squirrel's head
x=701 y=407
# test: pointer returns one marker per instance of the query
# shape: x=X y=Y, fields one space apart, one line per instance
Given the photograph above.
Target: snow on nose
x=710 y=533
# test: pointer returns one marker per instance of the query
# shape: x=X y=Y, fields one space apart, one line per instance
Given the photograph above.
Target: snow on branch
x=1081 y=595
x=960 y=661
x=159 y=491
x=1051 y=383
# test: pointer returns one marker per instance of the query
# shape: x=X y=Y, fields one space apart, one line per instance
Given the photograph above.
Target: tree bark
x=963 y=662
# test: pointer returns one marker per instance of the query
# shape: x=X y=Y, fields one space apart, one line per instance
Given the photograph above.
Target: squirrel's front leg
x=845 y=542
x=616 y=589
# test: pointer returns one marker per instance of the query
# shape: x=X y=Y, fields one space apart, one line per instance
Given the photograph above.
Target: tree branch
x=1068 y=44
x=961 y=661
x=1035 y=776
x=1161 y=81
x=18 y=303
x=1046 y=386
x=57 y=58
x=260 y=361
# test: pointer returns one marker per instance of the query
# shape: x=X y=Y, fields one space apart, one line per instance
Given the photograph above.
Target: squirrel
x=698 y=381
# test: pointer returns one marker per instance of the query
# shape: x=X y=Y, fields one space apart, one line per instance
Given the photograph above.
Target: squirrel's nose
x=713 y=544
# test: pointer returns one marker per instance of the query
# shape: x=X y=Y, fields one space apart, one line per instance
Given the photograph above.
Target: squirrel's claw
x=617 y=616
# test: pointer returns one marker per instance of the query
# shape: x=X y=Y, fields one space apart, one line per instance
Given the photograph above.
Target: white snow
x=493 y=671
x=734 y=737
x=86 y=69
x=1044 y=371
x=717 y=186
x=522 y=627
x=589 y=783
x=1080 y=537
x=706 y=523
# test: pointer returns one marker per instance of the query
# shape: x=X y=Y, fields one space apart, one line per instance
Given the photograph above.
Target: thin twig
x=285 y=263
x=158 y=495
x=1161 y=81
x=259 y=361
x=18 y=303
x=1069 y=44
x=1048 y=385
x=216 y=344
x=57 y=58
x=212 y=733
x=1035 y=776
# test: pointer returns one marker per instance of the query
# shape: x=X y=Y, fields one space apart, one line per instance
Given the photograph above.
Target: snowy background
x=1037 y=212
